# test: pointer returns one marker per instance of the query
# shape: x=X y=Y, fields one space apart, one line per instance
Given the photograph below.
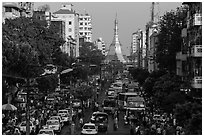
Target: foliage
x=139 y=74
x=90 y=54
x=83 y=92
x=189 y=115
x=27 y=45
x=170 y=39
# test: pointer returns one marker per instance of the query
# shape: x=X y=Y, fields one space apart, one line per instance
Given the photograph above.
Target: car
x=22 y=127
x=46 y=132
x=57 y=118
x=89 y=129
x=53 y=124
x=64 y=114
x=101 y=120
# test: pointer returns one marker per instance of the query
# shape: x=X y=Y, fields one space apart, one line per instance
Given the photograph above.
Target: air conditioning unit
x=197 y=19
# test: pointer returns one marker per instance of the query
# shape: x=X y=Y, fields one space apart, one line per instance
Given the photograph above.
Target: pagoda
x=115 y=52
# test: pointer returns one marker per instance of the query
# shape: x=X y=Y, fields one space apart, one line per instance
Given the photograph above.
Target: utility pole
x=28 y=107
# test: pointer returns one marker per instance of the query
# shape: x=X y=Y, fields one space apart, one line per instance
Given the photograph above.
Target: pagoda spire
x=116 y=26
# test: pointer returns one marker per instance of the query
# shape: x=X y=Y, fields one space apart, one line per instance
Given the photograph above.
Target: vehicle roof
x=100 y=113
x=129 y=93
x=135 y=98
x=47 y=129
x=92 y=124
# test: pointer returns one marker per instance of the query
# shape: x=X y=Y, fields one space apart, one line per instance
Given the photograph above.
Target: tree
x=139 y=74
x=27 y=45
x=189 y=116
x=170 y=39
x=90 y=54
x=150 y=81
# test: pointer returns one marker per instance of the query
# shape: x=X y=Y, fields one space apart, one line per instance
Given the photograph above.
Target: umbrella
x=8 y=107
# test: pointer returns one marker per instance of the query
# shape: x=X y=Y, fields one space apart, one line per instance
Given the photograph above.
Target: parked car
x=89 y=129
x=46 y=132
x=53 y=124
x=22 y=127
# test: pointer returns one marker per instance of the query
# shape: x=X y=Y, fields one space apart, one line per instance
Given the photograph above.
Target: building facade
x=11 y=10
x=138 y=48
x=189 y=59
x=85 y=27
x=101 y=45
x=71 y=18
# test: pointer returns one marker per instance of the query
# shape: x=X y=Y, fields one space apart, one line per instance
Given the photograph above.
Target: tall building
x=71 y=19
x=138 y=48
x=151 y=45
x=189 y=59
x=85 y=27
x=115 y=52
x=101 y=45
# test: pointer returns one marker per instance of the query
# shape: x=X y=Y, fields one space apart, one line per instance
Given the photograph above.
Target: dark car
x=101 y=121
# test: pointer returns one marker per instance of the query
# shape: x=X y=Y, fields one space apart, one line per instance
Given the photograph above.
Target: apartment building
x=71 y=18
x=101 y=45
x=85 y=27
x=189 y=59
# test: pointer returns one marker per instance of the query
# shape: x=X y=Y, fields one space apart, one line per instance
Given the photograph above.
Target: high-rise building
x=189 y=59
x=71 y=19
x=101 y=45
x=138 y=48
x=115 y=52
x=85 y=27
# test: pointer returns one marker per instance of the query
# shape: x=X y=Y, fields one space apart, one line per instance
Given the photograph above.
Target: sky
x=131 y=17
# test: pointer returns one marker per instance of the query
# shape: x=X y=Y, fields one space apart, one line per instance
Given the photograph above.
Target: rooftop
x=64 y=11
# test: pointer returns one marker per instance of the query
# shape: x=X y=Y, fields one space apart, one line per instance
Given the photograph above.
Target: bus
x=135 y=109
x=122 y=99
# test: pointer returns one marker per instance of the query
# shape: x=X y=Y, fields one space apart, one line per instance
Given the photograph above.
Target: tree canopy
x=169 y=38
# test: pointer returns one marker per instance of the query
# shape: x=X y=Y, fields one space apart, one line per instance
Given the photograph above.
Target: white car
x=46 y=132
x=64 y=115
x=89 y=129
x=53 y=124
x=22 y=127
x=57 y=118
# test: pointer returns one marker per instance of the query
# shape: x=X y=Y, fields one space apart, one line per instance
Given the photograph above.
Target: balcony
x=197 y=19
x=197 y=82
x=196 y=51
x=180 y=56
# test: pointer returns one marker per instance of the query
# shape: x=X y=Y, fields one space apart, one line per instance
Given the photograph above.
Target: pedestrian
x=115 y=123
x=37 y=123
x=81 y=122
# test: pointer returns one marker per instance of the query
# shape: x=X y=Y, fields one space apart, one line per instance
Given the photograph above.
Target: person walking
x=115 y=125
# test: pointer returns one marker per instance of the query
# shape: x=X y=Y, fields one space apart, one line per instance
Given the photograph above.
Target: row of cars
x=53 y=125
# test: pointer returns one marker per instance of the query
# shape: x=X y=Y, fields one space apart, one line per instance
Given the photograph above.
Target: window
x=85 y=28
x=85 y=33
x=85 y=23
x=70 y=29
x=70 y=23
x=85 y=18
x=80 y=28
x=8 y=9
x=81 y=33
x=81 y=23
